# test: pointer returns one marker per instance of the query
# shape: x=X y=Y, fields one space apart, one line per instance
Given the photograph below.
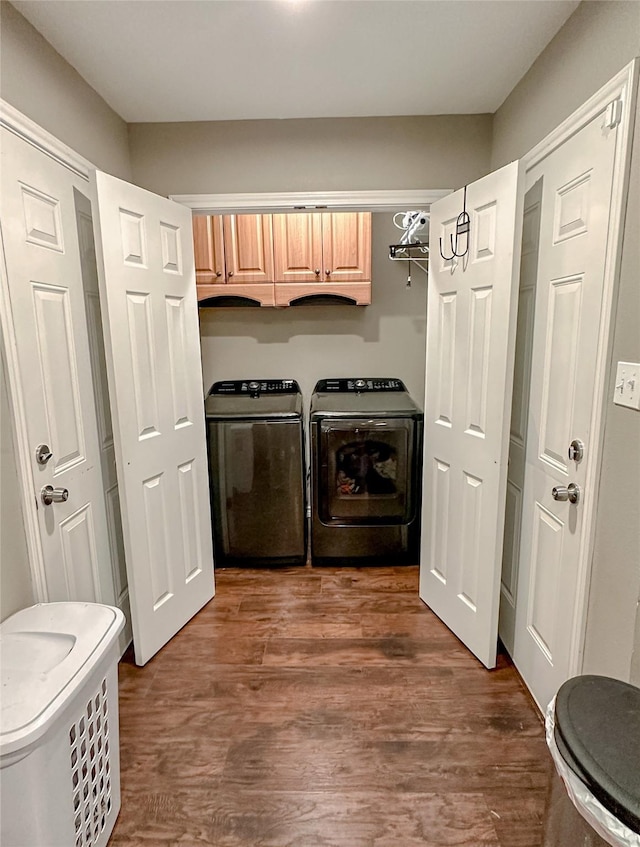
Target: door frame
x=623 y=87
x=310 y=201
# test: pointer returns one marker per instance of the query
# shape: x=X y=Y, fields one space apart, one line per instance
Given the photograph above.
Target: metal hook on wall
x=463 y=227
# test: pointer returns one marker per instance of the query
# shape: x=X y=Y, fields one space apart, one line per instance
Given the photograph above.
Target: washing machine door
x=367 y=471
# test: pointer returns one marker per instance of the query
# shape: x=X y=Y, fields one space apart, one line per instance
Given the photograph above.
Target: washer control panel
x=255 y=387
x=356 y=384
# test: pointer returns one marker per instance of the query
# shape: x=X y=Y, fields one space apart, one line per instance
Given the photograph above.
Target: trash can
x=593 y=734
x=59 y=747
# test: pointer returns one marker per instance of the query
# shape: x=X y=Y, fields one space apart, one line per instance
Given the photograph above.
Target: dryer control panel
x=356 y=384
x=255 y=387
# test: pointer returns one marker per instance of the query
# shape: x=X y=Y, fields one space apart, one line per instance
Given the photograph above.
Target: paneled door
x=471 y=326
x=208 y=245
x=147 y=287
x=248 y=247
x=297 y=247
x=346 y=246
x=575 y=223
x=88 y=264
x=56 y=400
x=519 y=415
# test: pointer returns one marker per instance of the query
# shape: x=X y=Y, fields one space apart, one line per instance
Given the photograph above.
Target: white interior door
x=152 y=342
x=471 y=323
x=519 y=415
x=88 y=263
x=56 y=398
x=574 y=227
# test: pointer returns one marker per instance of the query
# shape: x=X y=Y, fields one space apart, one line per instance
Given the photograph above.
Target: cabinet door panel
x=297 y=247
x=248 y=243
x=346 y=246
x=208 y=249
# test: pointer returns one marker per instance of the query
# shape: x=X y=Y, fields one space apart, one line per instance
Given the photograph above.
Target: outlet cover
x=627 y=387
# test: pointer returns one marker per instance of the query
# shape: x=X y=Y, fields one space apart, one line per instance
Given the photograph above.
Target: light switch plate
x=627 y=387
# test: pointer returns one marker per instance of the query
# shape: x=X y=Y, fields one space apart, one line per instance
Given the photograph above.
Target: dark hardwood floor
x=308 y=707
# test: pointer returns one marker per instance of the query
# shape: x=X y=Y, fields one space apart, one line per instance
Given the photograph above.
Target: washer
x=257 y=473
x=366 y=457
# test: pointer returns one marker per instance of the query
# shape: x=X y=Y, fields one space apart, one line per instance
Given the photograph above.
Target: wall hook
x=463 y=227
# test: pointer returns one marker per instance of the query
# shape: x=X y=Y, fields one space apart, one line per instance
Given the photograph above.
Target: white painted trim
x=625 y=87
x=14 y=121
x=370 y=201
x=621 y=85
x=31 y=132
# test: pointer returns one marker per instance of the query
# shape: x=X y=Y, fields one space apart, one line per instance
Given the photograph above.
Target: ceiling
x=203 y=60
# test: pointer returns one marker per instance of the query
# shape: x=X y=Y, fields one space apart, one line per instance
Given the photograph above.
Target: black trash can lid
x=597 y=730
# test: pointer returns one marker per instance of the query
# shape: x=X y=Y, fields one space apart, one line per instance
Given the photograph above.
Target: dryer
x=366 y=469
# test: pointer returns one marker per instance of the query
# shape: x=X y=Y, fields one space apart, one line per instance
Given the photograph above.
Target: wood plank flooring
x=326 y=708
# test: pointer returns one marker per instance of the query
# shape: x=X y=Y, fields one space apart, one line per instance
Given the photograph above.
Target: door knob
x=576 y=450
x=317 y=271
x=43 y=454
x=51 y=495
x=218 y=273
x=230 y=273
x=328 y=272
x=569 y=492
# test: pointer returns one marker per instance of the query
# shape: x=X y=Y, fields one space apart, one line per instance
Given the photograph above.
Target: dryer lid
x=254 y=399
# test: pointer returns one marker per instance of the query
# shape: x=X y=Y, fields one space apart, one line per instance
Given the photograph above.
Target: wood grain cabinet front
x=280 y=259
x=323 y=253
x=234 y=258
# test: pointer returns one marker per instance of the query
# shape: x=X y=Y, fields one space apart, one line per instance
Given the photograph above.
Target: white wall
x=42 y=85
x=308 y=343
x=311 y=342
x=597 y=41
x=332 y=154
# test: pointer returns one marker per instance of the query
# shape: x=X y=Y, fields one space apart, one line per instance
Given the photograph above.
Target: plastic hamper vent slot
x=90 y=768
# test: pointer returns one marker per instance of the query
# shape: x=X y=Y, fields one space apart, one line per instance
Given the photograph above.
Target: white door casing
x=575 y=221
x=147 y=286
x=519 y=415
x=45 y=288
x=471 y=323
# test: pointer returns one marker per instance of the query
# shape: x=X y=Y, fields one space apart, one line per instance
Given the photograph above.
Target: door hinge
x=613 y=114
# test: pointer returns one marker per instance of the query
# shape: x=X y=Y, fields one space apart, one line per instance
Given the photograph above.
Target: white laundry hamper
x=59 y=744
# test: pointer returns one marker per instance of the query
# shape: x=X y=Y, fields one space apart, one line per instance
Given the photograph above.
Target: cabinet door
x=209 y=249
x=346 y=246
x=248 y=241
x=297 y=247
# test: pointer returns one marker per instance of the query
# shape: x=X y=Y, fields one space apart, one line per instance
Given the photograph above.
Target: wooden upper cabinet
x=346 y=246
x=297 y=247
x=248 y=241
x=322 y=247
x=278 y=259
x=208 y=249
